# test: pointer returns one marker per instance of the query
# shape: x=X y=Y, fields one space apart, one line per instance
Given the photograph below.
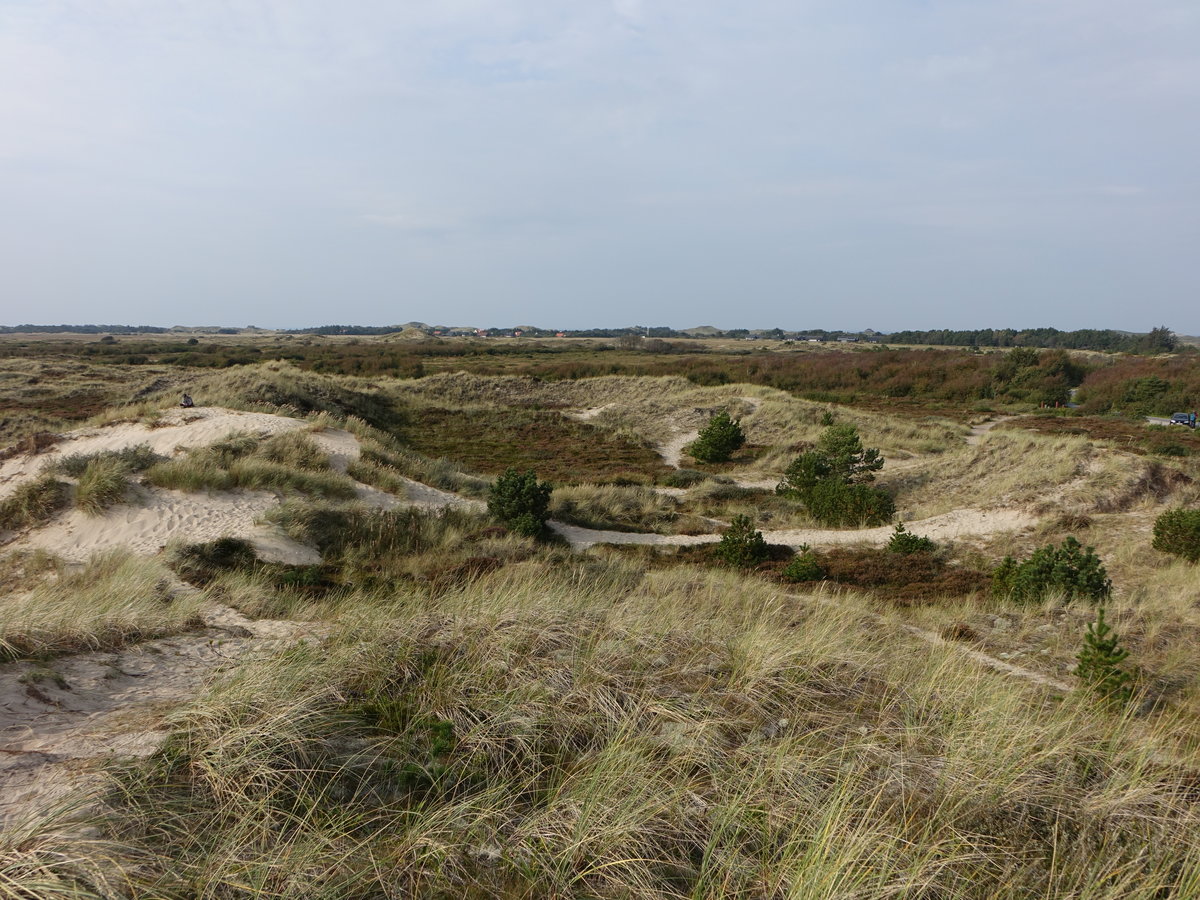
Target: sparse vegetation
x=113 y=601
x=1177 y=531
x=479 y=714
x=287 y=462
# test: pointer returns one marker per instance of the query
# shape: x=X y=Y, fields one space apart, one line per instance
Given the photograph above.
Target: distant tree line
x=1157 y=340
x=82 y=329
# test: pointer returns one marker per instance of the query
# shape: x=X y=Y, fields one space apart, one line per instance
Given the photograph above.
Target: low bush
x=614 y=507
x=803 y=567
x=741 y=546
x=33 y=503
x=831 y=481
x=1177 y=531
x=841 y=505
x=905 y=542
x=684 y=478
x=200 y=563
x=1070 y=570
x=922 y=577
x=718 y=439
x=521 y=502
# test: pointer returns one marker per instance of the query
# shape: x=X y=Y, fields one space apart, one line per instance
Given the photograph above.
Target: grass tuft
x=33 y=503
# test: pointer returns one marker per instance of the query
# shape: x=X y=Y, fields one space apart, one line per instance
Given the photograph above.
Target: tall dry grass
x=592 y=729
x=116 y=599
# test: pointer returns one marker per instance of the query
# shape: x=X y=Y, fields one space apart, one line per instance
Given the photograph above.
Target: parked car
x=1183 y=419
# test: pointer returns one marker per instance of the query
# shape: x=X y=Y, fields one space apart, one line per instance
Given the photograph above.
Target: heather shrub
x=1177 y=531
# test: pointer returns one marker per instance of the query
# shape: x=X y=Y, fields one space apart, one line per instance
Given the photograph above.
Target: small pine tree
x=520 y=501
x=1100 y=662
x=905 y=542
x=718 y=439
x=741 y=546
x=850 y=462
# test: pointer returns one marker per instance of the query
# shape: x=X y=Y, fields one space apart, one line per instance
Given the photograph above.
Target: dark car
x=1182 y=419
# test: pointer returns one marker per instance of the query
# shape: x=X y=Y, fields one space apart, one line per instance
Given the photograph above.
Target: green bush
x=202 y=562
x=839 y=505
x=803 y=567
x=741 y=545
x=718 y=439
x=1177 y=531
x=831 y=481
x=1071 y=570
x=804 y=473
x=904 y=541
x=520 y=501
x=684 y=478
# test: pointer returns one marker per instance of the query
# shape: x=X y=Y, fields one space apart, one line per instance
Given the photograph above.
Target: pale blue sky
x=842 y=164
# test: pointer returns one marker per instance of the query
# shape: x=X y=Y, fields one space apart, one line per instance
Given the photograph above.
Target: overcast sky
x=847 y=164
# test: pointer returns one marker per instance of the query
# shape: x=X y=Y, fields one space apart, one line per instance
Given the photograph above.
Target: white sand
x=162 y=516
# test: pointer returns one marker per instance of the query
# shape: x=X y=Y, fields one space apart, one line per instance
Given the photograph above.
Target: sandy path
x=975 y=435
x=956 y=524
x=62 y=720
